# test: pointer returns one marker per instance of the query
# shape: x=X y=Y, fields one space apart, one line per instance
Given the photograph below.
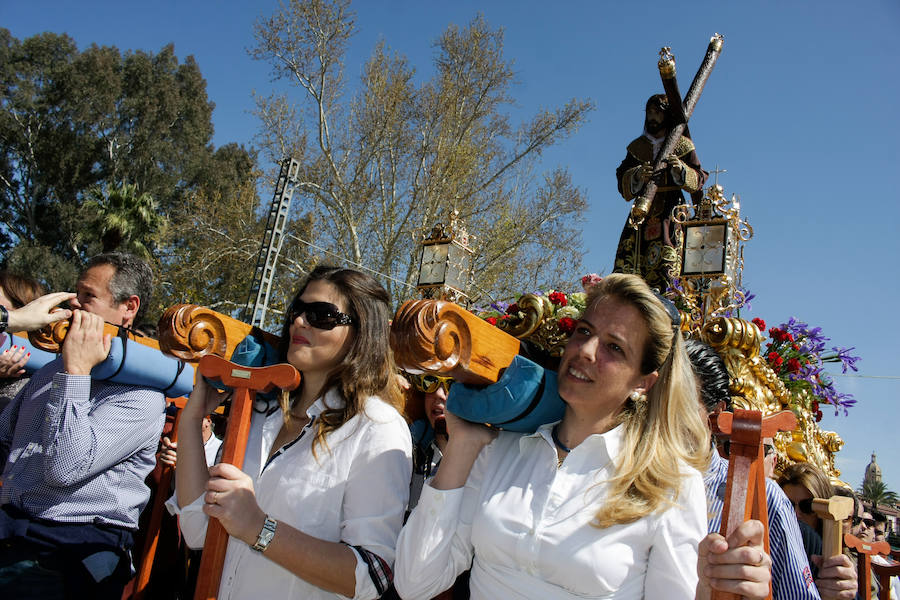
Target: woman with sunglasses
x=316 y=511
x=607 y=503
x=801 y=483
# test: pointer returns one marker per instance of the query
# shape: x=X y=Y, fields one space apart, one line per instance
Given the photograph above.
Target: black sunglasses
x=805 y=506
x=868 y=522
x=321 y=315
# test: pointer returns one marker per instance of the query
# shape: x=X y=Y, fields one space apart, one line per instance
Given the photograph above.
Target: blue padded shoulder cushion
x=524 y=398
x=252 y=351
x=128 y=362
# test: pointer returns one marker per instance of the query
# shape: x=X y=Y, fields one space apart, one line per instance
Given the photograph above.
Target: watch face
x=704 y=249
x=434 y=264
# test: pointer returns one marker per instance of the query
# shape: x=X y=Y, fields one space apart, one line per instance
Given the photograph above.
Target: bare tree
x=383 y=160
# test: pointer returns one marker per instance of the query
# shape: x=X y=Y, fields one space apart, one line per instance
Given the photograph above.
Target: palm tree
x=876 y=492
x=123 y=219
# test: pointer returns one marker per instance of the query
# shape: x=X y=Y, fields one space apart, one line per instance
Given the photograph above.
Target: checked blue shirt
x=75 y=450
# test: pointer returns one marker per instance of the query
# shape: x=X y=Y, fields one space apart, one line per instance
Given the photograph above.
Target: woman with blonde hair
x=606 y=503
x=317 y=508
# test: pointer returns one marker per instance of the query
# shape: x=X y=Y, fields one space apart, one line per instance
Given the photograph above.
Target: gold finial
x=666 y=63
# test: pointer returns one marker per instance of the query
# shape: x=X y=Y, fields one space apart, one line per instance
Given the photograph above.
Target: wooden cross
x=682 y=112
x=246 y=382
x=745 y=492
x=716 y=171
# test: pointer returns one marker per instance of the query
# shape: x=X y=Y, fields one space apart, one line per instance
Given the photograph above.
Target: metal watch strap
x=265 y=535
x=4 y=318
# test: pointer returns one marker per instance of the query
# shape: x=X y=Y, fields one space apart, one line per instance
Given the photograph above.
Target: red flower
x=795 y=347
x=789 y=337
x=793 y=365
x=775 y=359
x=815 y=406
x=492 y=320
x=589 y=280
x=567 y=325
x=760 y=323
x=512 y=308
x=818 y=416
x=775 y=333
x=559 y=299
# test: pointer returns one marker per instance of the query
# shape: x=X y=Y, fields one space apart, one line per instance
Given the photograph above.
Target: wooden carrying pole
x=246 y=382
x=833 y=512
x=745 y=491
x=151 y=541
x=864 y=552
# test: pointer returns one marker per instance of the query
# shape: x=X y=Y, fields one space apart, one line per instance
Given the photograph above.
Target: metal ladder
x=258 y=299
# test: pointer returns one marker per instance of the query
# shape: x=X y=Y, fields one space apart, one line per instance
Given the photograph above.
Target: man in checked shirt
x=75 y=452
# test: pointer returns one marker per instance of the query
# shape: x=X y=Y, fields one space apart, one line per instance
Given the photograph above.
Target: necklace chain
x=556 y=441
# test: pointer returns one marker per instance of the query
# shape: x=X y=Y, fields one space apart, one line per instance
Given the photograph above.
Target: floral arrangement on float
x=797 y=354
x=544 y=318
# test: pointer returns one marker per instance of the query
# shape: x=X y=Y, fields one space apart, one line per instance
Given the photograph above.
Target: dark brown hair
x=368 y=369
x=20 y=290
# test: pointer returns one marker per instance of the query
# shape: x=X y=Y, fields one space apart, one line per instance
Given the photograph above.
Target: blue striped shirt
x=77 y=451
x=791 y=577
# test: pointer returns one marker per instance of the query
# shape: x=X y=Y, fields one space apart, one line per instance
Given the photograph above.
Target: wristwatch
x=265 y=535
x=4 y=318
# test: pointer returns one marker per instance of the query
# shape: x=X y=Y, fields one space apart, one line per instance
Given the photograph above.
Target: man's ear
x=132 y=305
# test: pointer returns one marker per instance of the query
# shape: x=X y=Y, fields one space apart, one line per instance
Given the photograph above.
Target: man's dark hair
x=879 y=516
x=710 y=371
x=133 y=277
x=659 y=102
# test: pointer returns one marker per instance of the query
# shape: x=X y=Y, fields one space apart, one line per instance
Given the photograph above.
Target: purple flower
x=847 y=361
x=500 y=306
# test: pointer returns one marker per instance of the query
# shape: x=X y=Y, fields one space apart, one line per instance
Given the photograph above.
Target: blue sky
x=801 y=110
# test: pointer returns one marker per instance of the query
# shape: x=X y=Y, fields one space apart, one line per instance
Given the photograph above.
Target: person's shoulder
x=379 y=411
x=640 y=148
x=684 y=146
x=127 y=392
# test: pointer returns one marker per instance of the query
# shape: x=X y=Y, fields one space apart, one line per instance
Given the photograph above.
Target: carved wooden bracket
x=190 y=332
x=51 y=337
x=441 y=337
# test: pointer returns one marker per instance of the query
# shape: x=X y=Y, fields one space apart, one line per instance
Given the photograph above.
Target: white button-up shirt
x=356 y=493
x=528 y=526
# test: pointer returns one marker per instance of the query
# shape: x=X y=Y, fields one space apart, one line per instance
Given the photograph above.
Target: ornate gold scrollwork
x=532 y=310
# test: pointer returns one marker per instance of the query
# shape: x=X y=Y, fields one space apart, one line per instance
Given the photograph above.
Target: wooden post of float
x=246 y=382
x=833 y=511
x=864 y=552
x=745 y=492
